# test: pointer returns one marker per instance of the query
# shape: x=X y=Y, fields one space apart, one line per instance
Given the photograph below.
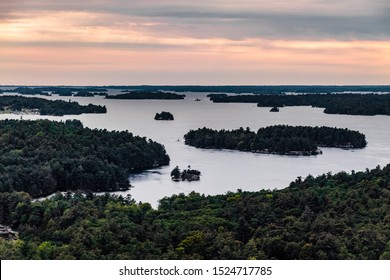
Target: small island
x=84 y=93
x=274 y=109
x=164 y=116
x=185 y=175
x=278 y=139
x=159 y=95
x=34 y=105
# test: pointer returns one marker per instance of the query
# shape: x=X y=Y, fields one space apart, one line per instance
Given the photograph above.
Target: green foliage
x=278 y=139
x=42 y=157
x=48 y=107
x=341 y=216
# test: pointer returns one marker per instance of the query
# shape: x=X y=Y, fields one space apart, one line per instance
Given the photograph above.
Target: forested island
x=148 y=95
x=342 y=216
x=348 y=104
x=47 y=107
x=185 y=175
x=164 y=116
x=278 y=139
x=42 y=157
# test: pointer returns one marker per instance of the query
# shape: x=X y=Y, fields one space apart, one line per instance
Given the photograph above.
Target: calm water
x=224 y=170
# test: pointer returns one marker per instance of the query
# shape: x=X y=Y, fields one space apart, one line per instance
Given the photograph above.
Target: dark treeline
x=257 y=89
x=147 y=95
x=61 y=91
x=341 y=216
x=229 y=89
x=48 y=107
x=84 y=93
x=349 y=104
x=278 y=139
x=28 y=91
x=42 y=157
x=79 y=93
x=74 y=89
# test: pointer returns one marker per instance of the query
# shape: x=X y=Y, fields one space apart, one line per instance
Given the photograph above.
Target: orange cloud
x=73 y=44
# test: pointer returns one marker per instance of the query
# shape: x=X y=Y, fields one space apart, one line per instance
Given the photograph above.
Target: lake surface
x=224 y=170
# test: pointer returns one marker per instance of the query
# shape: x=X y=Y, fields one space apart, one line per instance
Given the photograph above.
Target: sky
x=194 y=42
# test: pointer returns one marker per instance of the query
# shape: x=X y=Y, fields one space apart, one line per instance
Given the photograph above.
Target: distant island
x=185 y=175
x=164 y=116
x=43 y=157
x=278 y=139
x=244 y=89
x=147 y=95
x=29 y=91
x=42 y=106
x=84 y=93
x=61 y=91
x=348 y=104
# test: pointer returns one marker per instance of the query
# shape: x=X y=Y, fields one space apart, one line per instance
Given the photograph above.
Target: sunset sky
x=213 y=42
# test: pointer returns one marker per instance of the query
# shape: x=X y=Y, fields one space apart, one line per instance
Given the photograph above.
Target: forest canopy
x=42 y=157
x=342 y=216
x=48 y=107
x=278 y=139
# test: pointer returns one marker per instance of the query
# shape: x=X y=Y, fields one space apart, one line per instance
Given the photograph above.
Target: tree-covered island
x=47 y=107
x=187 y=174
x=164 y=116
x=160 y=95
x=348 y=104
x=278 y=139
x=43 y=157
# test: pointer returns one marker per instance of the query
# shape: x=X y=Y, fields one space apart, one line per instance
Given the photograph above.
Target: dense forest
x=42 y=157
x=278 y=139
x=349 y=104
x=147 y=95
x=48 y=107
x=341 y=216
x=164 y=116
